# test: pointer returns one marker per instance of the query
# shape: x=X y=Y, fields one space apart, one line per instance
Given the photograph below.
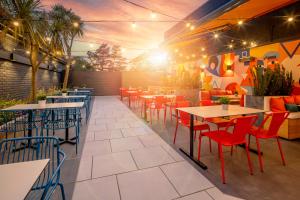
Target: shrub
x=41 y=95
x=224 y=100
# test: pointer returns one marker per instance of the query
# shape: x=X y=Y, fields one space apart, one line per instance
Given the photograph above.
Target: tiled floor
x=123 y=159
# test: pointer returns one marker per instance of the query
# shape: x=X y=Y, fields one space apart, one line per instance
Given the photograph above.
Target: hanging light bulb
x=230 y=46
x=240 y=22
x=153 y=15
x=133 y=25
x=193 y=55
x=244 y=43
x=123 y=50
x=48 y=39
x=192 y=28
x=176 y=50
x=16 y=23
x=188 y=24
x=204 y=56
x=216 y=35
x=290 y=19
x=27 y=52
x=202 y=49
x=75 y=24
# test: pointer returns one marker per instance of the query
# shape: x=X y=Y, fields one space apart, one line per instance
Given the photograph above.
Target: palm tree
x=66 y=25
x=30 y=25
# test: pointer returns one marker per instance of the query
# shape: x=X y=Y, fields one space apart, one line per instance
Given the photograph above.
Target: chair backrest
x=242 y=126
x=159 y=100
x=38 y=148
x=184 y=117
x=206 y=103
x=179 y=98
x=57 y=119
x=276 y=121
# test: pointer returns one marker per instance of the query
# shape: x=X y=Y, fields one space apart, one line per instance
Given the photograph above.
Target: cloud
x=145 y=36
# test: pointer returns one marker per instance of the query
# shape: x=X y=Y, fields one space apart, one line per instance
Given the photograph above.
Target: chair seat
x=223 y=137
x=261 y=133
x=220 y=122
x=197 y=125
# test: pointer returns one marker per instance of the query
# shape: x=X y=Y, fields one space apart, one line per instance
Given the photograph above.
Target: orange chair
x=242 y=126
x=172 y=106
x=157 y=104
x=183 y=119
x=220 y=122
x=269 y=133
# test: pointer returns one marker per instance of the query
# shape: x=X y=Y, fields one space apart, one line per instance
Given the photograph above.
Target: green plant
x=271 y=82
x=41 y=95
x=8 y=116
x=224 y=100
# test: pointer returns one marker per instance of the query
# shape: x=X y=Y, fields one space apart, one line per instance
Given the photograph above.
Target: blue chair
x=62 y=119
x=45 y=148
x=19 y=121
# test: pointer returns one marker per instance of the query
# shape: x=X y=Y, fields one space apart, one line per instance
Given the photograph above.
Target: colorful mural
x=231 y=71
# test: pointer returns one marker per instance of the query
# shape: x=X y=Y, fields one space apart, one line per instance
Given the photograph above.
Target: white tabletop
x=169 y=96
x=87 y=91
x=46 y=106
x=17 y=179
x=66 y=97
x=217 y=111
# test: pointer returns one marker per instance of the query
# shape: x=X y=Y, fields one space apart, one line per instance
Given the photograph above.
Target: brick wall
x=15 y=80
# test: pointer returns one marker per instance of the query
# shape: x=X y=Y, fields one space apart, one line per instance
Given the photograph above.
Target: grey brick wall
x=15 y=80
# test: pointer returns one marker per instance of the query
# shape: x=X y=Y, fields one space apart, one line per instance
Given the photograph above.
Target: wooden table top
x=169 y=96
x=17 y=179
x=66 y=97
x=44 y=107
x=217 y=111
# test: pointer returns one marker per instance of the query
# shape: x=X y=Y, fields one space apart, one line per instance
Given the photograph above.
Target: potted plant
x=224 y=101
x=41 y=97
x=64 y=92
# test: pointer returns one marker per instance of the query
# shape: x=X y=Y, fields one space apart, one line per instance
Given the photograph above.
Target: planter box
x=191 y=95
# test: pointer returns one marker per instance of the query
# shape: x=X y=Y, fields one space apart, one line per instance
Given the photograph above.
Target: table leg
x=191 y=154
x=67 y=140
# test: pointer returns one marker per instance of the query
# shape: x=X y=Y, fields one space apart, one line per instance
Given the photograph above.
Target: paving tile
x=219 y=195
x=99 y=127
x=114 y=163
x=152 y=140
x=128 y=132
x=148 y=184
x=108 y=134
x=175 y=155
x=116 y=125
x=185 y=178
x=150 y=157
x=124 y=144
x=197 y=196
x=96 y=148
x=85 y=169
x=90 y=136
x=97 y=189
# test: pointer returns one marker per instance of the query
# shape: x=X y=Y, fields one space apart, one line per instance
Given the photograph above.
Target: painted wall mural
x=231 y=71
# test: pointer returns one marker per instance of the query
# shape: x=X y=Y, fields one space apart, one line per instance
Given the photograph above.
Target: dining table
x=131 y=93
x=31 y=108
x=147 y=98
x=211 y=112
x=17 y=179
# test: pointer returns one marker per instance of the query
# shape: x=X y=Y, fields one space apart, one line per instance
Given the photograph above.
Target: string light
x=123 y=50
x=188 y=24
x=192 y=28
x=240 y=22
x=216 y=35
x=202 y=49
x=153 y=15
x=253 y=44
x=92 y=45
x=244 y=43
x=75 y=24
x=176 y=50
x=204 y=56
x=230 y=46
x=133 y=25
x=16 y=23
x=193 y=55
x=27 y=52
x=187 y=57
x=290 y=19
x=181 y=55
x=48 y=39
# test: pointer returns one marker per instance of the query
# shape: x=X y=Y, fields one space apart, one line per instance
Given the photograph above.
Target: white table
x=17 y=179
x=67 y=97
x=211 y=112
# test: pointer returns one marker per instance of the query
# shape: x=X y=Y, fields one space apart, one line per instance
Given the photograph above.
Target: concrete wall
x=109 y=83
x=104 y=83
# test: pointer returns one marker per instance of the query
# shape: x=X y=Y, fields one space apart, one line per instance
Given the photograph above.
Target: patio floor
x=122 y=158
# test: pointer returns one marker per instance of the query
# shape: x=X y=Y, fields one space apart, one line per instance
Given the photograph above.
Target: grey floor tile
x=124 y=144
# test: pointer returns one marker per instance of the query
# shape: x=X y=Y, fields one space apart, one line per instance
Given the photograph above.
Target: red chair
x=220 y=122
x=183 y=119
x=172 y=106
x=263 y=133
x=225 y=138
x=157 y=104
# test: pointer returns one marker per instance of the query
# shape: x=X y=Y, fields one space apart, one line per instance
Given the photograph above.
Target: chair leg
x=199 y=146
x=249 y=160
x=259 y=155
x=231 y=150
x=150 y=110
x=62 y=191
x=175 y=132
x=222 y=162
x=195 y=134
x=281 y=152
x=171 y=113
x=158 y=114
x=210 y=145
x=165 y=115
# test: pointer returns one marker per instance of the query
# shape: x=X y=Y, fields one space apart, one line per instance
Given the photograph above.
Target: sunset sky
x=135 y=41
